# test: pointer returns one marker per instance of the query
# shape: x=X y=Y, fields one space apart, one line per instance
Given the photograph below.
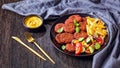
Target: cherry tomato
x=99 y=40
x=78 y=48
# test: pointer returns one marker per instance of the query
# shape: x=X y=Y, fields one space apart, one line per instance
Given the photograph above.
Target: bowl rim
x=31 y=16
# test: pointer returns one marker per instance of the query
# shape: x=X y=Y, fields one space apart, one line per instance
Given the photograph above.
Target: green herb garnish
x=63 y=47
x=77 y=29
x=76 y=23
x=60 y=30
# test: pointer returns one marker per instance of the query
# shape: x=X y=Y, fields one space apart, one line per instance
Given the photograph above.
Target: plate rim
x=81 y=55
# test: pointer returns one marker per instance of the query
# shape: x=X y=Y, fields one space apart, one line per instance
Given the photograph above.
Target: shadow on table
x=66 y=61
x=42 y=29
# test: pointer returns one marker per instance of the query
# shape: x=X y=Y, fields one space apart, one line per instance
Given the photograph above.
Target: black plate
x=58 y=46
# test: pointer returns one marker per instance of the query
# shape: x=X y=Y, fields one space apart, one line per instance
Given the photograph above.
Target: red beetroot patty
x=67 y=21
x=58 y=26
x=83 y=24
x=64 y=38
x=81 y=34
x=69 y=27
x=70 y=47
x=78 y=18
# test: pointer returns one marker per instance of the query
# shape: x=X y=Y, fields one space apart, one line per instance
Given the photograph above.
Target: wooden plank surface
x=13 y=55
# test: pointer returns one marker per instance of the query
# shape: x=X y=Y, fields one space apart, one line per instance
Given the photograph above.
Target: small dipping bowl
x=33 y=22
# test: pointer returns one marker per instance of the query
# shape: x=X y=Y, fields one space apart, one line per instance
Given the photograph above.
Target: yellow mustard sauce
x=33 y=22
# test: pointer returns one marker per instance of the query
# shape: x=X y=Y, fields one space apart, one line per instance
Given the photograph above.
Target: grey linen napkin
x=107 y=10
